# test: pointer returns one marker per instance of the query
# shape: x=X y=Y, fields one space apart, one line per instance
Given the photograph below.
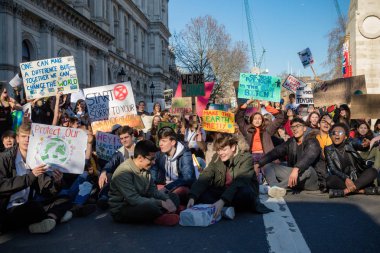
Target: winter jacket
x=214 y=176
x=132 y=187
x=116 y=159
x=248 y=130
x=310 y=153
x=182 y=160
x=334 y=164
x=10 y=183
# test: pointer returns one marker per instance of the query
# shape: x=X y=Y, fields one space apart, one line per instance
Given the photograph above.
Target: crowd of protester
x=156 y=175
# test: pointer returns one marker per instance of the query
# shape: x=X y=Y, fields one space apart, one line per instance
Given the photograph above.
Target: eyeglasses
x=339 y=133
x=151 y=159
x=296 y=127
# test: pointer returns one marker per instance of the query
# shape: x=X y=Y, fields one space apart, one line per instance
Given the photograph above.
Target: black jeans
x=364 y=180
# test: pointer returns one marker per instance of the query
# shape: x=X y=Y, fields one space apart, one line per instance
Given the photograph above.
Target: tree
x=205 y=47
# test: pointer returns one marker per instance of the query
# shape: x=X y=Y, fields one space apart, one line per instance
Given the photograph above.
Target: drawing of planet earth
x=54 y=151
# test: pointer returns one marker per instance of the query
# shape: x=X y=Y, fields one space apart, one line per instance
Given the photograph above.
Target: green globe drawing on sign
x=54 y=151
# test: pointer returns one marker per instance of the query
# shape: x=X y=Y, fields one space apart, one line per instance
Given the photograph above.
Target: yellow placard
x=127 y=120
x=218 y=121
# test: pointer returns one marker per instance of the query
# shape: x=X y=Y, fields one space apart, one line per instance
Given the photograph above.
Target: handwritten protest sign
x=304 y=95
x=259 y=87
x=306 y=57
x=147 y=120
x=106 y=145
x=58 y=147
x=218 y=121
x=16 y=81
x=27 y=109
x=44 y=78
x=127 y=120
x=110 y=101
x=193 y=85
x=181 y=106
x=292 y=84
x=168 y=95
x=162 y=124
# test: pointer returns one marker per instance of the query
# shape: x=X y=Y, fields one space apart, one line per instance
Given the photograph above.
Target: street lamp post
x=152 y=87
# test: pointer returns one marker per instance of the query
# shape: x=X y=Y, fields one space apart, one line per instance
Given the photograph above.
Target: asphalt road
x=326 y=225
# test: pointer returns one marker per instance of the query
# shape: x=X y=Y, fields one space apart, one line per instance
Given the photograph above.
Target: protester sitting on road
x=18 y=185
x=174 y=165
x=133 y=195
x=194 y=133
x=156 y=109
x=302 y=154
x=8 y=139
x=126 y=136
x=228 y=180
x=348 y=171
x=259 y=135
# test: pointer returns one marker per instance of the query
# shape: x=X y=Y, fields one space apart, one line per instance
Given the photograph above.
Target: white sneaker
x=42 y=227
x=263 y=189
x=228 y=212
x=68 y=215
x=276 y=192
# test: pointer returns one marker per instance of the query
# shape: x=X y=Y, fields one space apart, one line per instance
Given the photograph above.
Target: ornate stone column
x=46 y=28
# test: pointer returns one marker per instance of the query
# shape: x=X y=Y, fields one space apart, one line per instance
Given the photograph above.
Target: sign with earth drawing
x=260 y=87
x=60 y=148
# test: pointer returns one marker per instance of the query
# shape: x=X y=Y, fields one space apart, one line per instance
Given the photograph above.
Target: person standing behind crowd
x=7 y=105
x=8 y=139
x=141 y=108
x=194 y=133
x=348 y=172
x=156 y=109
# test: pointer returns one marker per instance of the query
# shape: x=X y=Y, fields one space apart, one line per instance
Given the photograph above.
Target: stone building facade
x=106 y=37
x=363 y=29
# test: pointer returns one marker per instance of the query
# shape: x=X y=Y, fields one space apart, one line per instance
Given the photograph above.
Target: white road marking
x=283 y=234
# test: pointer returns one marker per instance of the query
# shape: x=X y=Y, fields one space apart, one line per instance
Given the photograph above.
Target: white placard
x=304 y=95
x=106 y=145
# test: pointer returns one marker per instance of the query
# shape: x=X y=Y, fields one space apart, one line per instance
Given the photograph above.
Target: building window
x=109 y=76
x=63 y=52
x=91 y=75
x=25 y=52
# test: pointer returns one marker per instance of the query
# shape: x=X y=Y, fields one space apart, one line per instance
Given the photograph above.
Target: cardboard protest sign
x=338 y=91
x=304 y=95
x=218 y=121
x=16 y=81
x=110 y=101
x=306 y=57
x=292 y=84
x=147 y=120
x=193 y=85
x=259 y=87
x=168 y=95
x=181 y=106
x=44 y=78
x=58 y=147
x=365 y=106
x=127 y=120
x=162 y=124
x=106 y=145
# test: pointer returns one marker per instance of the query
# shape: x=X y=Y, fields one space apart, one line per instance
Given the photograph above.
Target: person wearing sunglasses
x=302 y=154
x=133 y=195
x=348 y=172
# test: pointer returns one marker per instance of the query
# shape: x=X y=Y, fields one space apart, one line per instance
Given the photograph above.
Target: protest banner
x=162 y=124
x=292 y=84
x=346 y=65
x=304 y=95
x=168 y=95
x=306 y=57
x=110 y=101
x=202 y=101
x=58 y=147
x=218 y=121
x=147 y=120
x=193 y=85
x=219 y=107
x=181 y=106
x=365 y=106
x=44 y=78
x=106 y=145
x=338 y=91
x=127 y=120
x=259 y=87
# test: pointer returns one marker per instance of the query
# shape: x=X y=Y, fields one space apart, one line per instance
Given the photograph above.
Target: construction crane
x=256 y=64
x=340 y=16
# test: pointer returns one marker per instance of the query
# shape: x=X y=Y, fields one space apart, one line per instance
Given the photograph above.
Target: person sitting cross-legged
x=133 y=196
x=302 y=154
x=348 y=172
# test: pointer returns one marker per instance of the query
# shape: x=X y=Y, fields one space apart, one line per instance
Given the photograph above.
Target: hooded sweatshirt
x=171 y=165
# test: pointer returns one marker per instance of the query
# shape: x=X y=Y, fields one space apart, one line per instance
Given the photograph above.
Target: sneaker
x=168 y=219
x=263 y=189
x=336 y=193
x=42 y=227
x=228 y=212
x=68 y=215
x=276 y=192
x=83 y=210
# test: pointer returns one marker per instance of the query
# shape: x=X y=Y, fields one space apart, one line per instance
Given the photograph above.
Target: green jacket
x=131 y=186
x=240 y=168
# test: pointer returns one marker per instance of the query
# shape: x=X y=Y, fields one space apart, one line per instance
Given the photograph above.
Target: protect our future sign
x=110 y=101
x=260 y=87
x=58 y=147
x=44 y=78
x=218 y=121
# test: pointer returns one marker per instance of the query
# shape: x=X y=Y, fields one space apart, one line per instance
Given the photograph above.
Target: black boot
x=334 y=193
